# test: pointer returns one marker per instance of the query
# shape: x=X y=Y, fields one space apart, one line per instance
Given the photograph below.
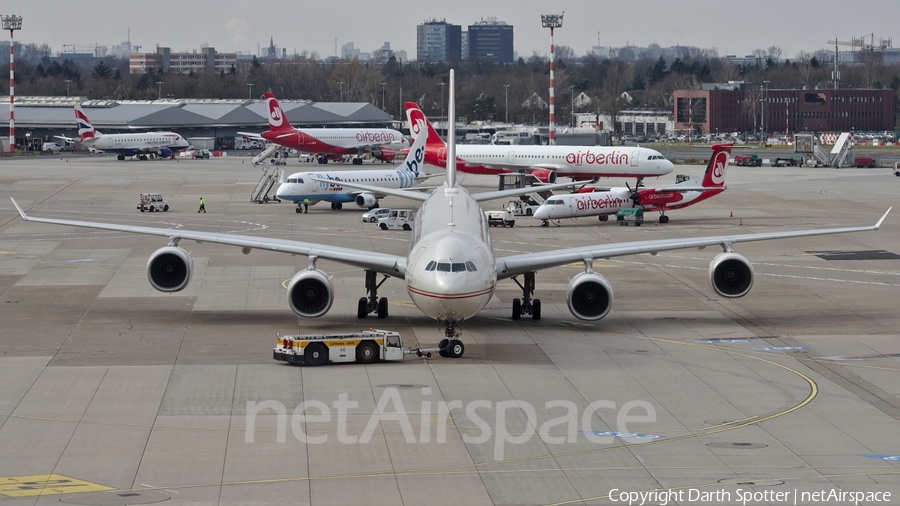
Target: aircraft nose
x=542 y=213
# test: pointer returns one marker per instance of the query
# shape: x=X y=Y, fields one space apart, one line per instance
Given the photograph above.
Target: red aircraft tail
x=714 y=177
x=277 y=119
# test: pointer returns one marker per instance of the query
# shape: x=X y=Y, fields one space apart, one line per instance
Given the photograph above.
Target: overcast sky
x=243 y=25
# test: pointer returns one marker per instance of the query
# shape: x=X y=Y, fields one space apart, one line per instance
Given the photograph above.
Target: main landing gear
x=371 y=303
x=526 y=305
x=451 y=346
x=662 y=217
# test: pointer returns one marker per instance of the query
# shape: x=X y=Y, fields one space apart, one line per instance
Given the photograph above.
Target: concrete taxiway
x=113 y=393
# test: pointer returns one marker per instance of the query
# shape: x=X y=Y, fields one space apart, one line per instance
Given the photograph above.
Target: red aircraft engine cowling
x=384 y=154
x=544 y=175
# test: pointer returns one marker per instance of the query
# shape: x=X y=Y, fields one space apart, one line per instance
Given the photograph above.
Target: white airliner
x=590 y=201
x=329 y=143
x=301 y=186
x=546 y=163
x=451 y=271
x=141 y=145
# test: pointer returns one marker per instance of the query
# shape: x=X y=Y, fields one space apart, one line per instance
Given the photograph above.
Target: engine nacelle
x=730 y=275
x=384 y=154
x=169 y=269
x=366 y=200
x=310 y=293
x=165 y=152
x=589 y=296
x=544 y=175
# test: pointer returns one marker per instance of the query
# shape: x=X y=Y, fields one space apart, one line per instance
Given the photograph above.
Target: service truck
x=502 y=218
x=364 y=347
x=398 y=218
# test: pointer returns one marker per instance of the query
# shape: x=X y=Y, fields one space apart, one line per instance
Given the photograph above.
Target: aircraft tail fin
x=416 y=156
x=85 y=129
x=415 y=116
x=714 y=177
x=277 y=119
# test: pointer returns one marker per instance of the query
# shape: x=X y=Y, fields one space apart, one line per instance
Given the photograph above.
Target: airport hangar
x=45 y=117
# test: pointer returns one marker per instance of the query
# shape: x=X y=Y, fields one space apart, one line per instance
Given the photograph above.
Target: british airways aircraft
x=141 y=145
x=451 y=271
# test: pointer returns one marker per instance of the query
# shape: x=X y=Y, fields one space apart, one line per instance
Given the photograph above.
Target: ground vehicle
x=376 y=214
x=633 y=214
x=364 y=347
x=526 y=205
x=503 y=218
x=152 y=202
x=788 y=161
x=201 y=154
x=398 y=218
x=748 y=160
x=51 y=147
x=864 y=161
x=897 y=169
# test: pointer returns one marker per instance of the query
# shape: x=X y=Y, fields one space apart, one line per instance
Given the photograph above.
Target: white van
x=51 y=147
x=372 y=216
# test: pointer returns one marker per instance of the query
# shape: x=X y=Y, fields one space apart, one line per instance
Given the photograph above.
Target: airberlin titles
x=382 y=136
x=587 y=158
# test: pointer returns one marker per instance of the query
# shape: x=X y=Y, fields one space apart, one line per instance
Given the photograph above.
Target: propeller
x=635 y=195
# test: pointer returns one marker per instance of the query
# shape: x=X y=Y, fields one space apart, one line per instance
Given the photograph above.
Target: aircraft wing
x=254 y=136
x=685 y=188
x=479 y=197
x=527 y=262
x=391 y=265
x=68 y=140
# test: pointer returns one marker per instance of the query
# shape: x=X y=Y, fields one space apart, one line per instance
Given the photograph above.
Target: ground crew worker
x=306 y=205
x=202 y=206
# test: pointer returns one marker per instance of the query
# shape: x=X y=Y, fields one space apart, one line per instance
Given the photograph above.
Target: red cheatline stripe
x=450 y=297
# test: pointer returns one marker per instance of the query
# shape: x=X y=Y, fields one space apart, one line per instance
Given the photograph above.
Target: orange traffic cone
x=730 y=214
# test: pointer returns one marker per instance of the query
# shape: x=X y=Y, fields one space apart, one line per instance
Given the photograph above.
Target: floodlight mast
x=12 y=23
x=552 y=21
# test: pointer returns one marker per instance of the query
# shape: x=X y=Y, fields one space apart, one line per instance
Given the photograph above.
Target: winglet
x=25 y=216
x=877 y=225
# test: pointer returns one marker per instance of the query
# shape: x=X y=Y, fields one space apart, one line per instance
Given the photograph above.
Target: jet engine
x=366 y=200
x=165 y=152
x=730 y=275
x=169 y=269
x=544 y=175
x=310 y=293
x=589 y=296
x=384 y=154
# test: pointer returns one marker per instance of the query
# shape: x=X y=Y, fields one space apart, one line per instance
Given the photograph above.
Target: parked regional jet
x=590 y=202
x=302 y=186
x=547 y=162
x=331 y=143
x=141 y=145
x=451 y=271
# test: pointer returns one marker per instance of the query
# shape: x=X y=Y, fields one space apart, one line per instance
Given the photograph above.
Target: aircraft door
x=634 y=158
x=512 y=158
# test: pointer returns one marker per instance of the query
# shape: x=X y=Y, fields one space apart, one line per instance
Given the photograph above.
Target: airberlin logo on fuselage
x=383 y=136
x=588 y=158
x=607 y=202
x=276 y=118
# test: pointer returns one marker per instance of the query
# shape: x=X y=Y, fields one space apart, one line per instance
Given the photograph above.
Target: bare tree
x=774 y=53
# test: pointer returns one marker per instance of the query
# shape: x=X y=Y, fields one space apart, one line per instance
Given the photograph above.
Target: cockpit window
x=451 y=266
x=431 y=265
x=443 y=267
x=459 y=267
x=470 y=267
x=554 y=202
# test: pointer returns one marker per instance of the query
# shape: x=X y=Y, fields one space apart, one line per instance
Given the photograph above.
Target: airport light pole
x=158 y=90
x=341 y=84
x=552 y=21
x=507 y=102
x=67 y=86
x=762 y=119
x=250 y=93
x=382 y=96
x=12 y=23
x=572 y=117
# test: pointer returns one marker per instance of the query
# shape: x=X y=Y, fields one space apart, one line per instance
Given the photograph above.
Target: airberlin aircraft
x=451 y=271
x=591 y=201
x=546 y=163
x=329 y=143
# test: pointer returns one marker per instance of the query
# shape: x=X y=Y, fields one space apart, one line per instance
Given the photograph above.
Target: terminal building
x=742 y=107
x=164 y=60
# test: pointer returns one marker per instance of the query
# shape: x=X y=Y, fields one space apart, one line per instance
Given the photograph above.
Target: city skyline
x=246 y=27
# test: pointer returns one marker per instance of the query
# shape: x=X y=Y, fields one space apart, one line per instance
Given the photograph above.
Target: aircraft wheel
x=366 y=352
x=442 y=347
x=516 y=309
x=315 y=354
x=298 y=210
x=664 y=219
x=362 y=309
x=382 y=308
x=536 y=309
x=604 y=217
x=456 y=349
x=120 y=157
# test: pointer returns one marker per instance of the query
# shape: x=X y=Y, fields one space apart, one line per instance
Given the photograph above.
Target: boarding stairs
x=841 y=150
x=271 y=175
x=279 y=159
